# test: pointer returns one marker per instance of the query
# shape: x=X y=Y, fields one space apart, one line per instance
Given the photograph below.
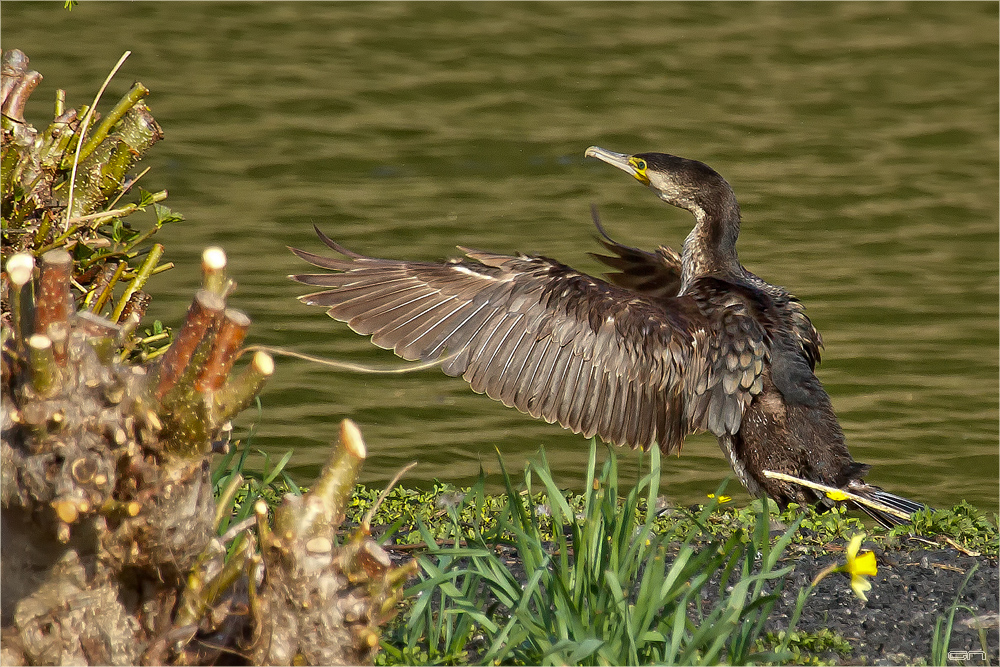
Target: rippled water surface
x=861 y=139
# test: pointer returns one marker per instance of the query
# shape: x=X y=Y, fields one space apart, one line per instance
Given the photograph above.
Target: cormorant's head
x=684 y=183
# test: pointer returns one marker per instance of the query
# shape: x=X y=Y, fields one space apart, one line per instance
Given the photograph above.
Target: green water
x=861 y=140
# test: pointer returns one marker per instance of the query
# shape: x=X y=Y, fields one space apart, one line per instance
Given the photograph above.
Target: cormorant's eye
x=639 y=164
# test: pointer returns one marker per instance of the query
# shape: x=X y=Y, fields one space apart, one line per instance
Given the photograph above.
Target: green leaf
x=278 y=468
x=145 y=198
x=164 y=215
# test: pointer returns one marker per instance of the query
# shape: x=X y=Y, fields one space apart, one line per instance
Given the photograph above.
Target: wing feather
x=513 y=374
x=581 y=398
x=498 y=362
x=536 y=394
x=654 y=274
x=528 y=380
x=482 y=349
x=556 y=344
x=422 y=334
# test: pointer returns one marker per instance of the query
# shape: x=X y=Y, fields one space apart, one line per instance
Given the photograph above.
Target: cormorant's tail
x=898 y=503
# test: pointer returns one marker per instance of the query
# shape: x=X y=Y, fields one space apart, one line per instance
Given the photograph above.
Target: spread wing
x=655 y=274
x=549 y=341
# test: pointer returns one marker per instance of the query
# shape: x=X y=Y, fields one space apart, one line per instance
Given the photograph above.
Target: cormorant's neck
x=710 y=248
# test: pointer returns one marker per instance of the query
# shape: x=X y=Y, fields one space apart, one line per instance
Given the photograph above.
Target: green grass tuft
x=592 y=583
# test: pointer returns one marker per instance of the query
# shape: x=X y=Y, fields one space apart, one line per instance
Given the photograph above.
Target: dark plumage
x=673 y=344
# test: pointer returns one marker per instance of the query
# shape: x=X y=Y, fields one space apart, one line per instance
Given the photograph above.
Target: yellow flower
x=858 y=567
x=722 y=499
x=836 y=495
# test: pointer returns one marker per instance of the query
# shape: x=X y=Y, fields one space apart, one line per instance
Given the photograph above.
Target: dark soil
x=912 y=590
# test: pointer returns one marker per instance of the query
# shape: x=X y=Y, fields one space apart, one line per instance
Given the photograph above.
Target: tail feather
x=890 y=500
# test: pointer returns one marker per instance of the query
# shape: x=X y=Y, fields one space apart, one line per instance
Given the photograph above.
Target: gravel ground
x=912 y=590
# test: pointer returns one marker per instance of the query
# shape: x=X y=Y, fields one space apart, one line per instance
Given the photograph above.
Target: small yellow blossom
x=857 y=566
x=722 y=499
x=860 y=567
x=836 y=495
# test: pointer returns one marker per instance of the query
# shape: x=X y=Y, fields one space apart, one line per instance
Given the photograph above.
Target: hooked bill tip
x=620 y=160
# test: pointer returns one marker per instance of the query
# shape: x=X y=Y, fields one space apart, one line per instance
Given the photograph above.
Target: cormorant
x=670 y=346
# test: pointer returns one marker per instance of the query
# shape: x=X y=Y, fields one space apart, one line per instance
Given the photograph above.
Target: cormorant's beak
x=621 y=160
